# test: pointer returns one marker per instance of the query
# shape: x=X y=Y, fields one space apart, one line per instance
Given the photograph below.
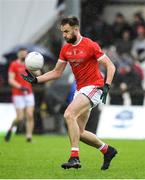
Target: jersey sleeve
x=62 y=54
x=98 y=53
x=11 y=67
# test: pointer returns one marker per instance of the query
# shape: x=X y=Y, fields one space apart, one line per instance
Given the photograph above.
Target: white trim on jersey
x=78 y=42
x=63 y=61
x=100 y=58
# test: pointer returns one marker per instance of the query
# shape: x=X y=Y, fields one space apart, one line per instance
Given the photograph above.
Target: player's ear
x=76 y=29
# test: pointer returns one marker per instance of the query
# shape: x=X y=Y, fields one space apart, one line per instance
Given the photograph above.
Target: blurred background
x=117 y=25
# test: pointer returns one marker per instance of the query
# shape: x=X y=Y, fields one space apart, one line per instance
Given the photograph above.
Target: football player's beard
x=72 y=40
x=22 y=59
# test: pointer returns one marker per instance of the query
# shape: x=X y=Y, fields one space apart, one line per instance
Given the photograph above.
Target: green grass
x=42 y=159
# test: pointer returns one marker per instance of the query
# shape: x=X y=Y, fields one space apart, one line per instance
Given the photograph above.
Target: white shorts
x=92 y=93
x=22 y=101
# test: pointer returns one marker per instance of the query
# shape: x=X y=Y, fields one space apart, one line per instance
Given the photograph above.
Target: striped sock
x=74 y=152
x=104 y=148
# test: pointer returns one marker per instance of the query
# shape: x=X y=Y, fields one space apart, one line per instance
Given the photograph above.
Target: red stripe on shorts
x=91 y=94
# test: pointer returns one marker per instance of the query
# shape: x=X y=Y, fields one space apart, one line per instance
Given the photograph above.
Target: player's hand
x=105 y=92
x=24 y=89
x=29 y=77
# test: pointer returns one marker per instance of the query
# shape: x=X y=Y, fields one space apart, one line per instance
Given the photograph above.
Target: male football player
x=84 y=57
x=22 y=95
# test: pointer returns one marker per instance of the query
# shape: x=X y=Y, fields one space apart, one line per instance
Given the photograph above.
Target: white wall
x=7 y=115
x=24 y=21
x=122 y=122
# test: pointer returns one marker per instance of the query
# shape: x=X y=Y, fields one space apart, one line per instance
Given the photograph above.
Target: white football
x=34 y=61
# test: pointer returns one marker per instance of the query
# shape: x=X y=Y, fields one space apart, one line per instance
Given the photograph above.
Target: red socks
x=104 y=148
x=74 y=152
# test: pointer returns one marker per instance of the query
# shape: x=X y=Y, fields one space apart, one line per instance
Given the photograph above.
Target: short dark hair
x=71 y=20
x=120 y=15
x=22 y=49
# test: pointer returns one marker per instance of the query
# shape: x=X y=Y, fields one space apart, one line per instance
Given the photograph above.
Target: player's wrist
x=35 y=81
x=107 y=85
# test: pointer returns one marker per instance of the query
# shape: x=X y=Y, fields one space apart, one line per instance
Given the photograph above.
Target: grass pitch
x=42 y=159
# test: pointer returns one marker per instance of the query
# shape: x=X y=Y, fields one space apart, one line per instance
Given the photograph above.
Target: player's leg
x=94 y=94
x=16 y=121
x=29 y=102
x=108 y=151
x=86 y=136
x=19 y=107
x=92 y=140
x=29 y=122
x=78 y=106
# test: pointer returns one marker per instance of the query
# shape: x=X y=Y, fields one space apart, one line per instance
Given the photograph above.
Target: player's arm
x=107 y=63
x=54 y=74
x=12 y=81
x=51 y=75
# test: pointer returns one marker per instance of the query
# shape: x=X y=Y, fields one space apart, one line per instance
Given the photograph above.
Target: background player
x=22 y=95
x=84 y=57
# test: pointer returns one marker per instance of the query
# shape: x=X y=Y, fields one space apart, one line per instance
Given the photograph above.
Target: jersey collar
x=78 y=42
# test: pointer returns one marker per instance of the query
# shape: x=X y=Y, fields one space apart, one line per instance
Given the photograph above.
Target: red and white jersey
x=83 y=58
x=18 y=68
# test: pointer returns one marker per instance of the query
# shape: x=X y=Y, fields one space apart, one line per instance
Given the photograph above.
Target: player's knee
x=30 y=116
x=68 y=115
x=81 y=133
x=20 y=118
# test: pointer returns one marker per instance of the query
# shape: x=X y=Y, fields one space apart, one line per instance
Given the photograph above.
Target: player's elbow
x=113 y=68
x=10 y=81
